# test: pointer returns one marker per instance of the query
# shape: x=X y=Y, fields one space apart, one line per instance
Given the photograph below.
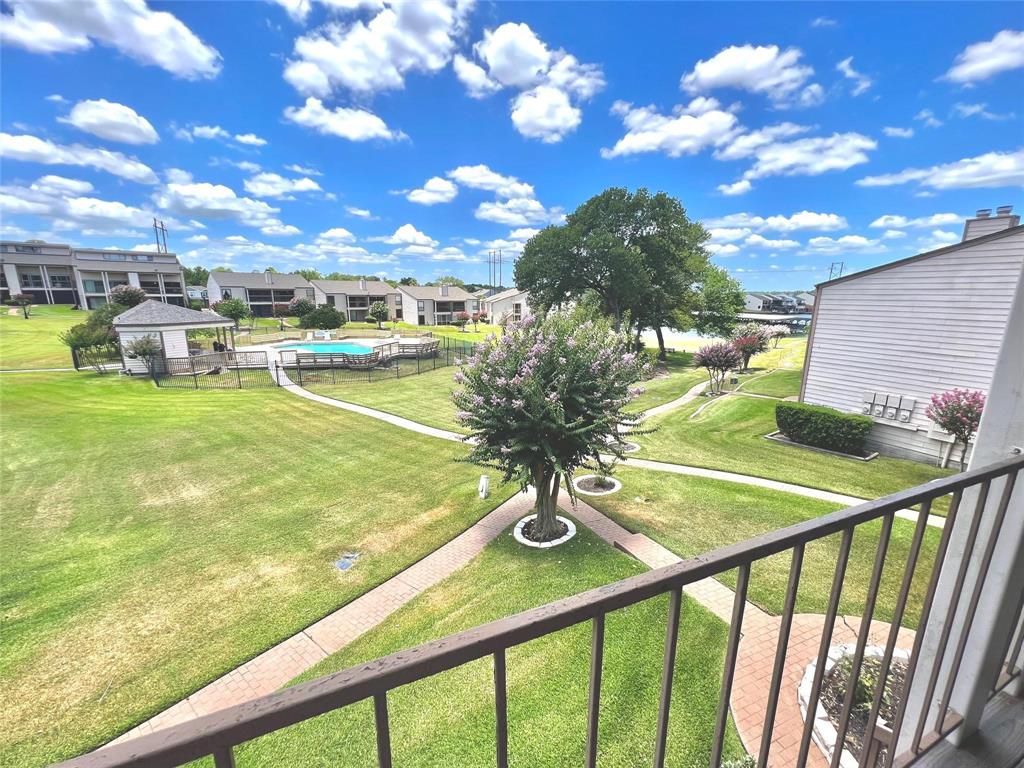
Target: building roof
x=352 y=287
x=156 y=313
x=507 y=294
x=926 y=255
x=259 y=280
x=455 y=292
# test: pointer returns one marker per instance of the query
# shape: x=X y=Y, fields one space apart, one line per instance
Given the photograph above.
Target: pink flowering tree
x=718 y=359
x=546 y=399
x=776 y=333
x=959 y=413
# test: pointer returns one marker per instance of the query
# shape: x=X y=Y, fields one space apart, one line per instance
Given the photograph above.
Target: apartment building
x=56 y=273
x=353 y=298
x=436 y=304
x=259 y=290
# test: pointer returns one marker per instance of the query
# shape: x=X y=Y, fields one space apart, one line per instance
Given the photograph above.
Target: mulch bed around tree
x=595 y=484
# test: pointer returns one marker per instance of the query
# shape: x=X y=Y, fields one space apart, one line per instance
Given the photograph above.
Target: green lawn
x=784 y=382
x=154 y=539
x=449 y=719
x=729 y=435
x=35 y=343
x=669 y=380
x=789 y=353
x=691 y=515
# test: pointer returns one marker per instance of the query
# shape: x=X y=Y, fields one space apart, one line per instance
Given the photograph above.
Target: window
x=26 y=249
x=420 y=306
x=114 y=257
x=358 y=302
x=60 y=281
x=260 y=296
x=517 y=312
x=141 y=257
x=225 y=293
x=93 y=286
x=31 y=280
x=116 y=281
x=398 y=299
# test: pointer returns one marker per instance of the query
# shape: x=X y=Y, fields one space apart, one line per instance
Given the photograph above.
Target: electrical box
x=485 y=486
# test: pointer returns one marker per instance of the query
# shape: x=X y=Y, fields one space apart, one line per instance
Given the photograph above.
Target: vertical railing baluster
x=947 y=624
x=594 y=702
x=732 y=650
x=785 y=624
x=224 y=757
x=926 y=609
x=500 y=710
x=826 y=642
x=668 y=670
x=1008 y=657
x=380 y=713
x=862 y=636
x=894 y=630
x=972 y=606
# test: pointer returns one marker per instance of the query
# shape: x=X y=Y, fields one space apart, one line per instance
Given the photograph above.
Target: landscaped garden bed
x=778 y=437
x=596 y=485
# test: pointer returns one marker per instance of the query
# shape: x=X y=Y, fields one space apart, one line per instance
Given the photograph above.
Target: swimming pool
x=332 y=347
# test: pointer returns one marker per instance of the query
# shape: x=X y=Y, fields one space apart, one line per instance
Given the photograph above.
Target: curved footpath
x=936 y=521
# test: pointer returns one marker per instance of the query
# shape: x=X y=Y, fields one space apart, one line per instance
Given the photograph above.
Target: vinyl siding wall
x=914 y=330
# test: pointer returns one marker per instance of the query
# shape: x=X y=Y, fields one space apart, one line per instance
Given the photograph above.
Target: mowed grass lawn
x=154 y=539
x=449 y=719
x=35 y=343
x=691 y=515
x=427 y=397
x=783 y=382
x=729 y=435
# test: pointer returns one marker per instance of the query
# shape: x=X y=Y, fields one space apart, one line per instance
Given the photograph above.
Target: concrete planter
x=778 y=437
x=517 y=533
x=616 y=485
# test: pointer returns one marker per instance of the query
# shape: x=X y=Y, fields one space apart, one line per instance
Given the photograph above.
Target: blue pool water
x=331 y=347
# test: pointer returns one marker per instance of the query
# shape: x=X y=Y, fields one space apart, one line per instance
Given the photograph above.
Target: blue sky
x=364 y=136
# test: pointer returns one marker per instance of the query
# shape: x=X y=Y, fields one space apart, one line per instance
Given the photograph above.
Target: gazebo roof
x=155 y=313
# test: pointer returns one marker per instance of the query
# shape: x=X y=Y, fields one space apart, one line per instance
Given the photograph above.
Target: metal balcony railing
x=219 y=733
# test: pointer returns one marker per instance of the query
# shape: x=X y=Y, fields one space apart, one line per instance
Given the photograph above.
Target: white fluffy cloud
x=691 y=128
x=372 y=56
x=983 y=60
x=482 y=177
x=898 y=133
x=811 y=156
x=150 y=37
x=517 y=212
x=861 y=82
x=980 y=110
x=435 y=190
x=760 y=241
x=32 y=149
x=66 y=204
x=251 y=139
x=191 y=132
x=113 y=121
x=338 y=234
x=990 y=170
x=359 y=213
x=747 y=144
x=845 y=243
x=347 y=122
x=893 y=221
x=928 y=117
x=275 y=185
x=406 y=234
x=763 y=69
x=551 y=83
x=303 y=170
x=203 y=200
x=736 y=226
x=740 y=187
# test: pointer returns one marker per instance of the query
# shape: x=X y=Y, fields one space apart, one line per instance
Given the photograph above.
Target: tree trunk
x=546 y=481
x=662 y=352
x=963 y=457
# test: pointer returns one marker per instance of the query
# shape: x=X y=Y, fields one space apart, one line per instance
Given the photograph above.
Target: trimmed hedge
x=823 y=427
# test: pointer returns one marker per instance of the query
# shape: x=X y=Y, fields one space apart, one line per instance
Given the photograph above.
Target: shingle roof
x=259 y=280
x=351 y=287
x=153 y=312
x=455 y=292
x=507 y=294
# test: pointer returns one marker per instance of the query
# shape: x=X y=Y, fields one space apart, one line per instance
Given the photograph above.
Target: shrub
x=23 y=300
x=719 y=359
x=547 y=399
x=324 y=317
x=823 y=427
x=378 y=313
x=281 y=310
x=460 y=320
x=234 y=309
x=300 y=306
x=127 y=296
x=145 y=348
x=959 y=413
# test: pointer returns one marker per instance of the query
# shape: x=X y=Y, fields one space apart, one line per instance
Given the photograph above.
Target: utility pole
x=835 y=269
x=158 y=230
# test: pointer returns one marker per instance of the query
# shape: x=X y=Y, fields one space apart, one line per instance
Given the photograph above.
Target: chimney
x=268 y=276
x=362 y=283
x=984 y=223
x=444 y=289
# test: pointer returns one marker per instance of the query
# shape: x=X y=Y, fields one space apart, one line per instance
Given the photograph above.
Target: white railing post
x=995 y=616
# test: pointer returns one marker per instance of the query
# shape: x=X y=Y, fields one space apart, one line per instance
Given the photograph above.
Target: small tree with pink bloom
x=776 y=333
x=958 y=412
x=546 y=399
x=718 y=359
x=748 y=346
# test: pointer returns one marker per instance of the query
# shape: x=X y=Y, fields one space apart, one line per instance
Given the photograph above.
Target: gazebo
x=169 y=323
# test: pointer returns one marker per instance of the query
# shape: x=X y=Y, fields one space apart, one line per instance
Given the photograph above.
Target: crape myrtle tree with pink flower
x=718 y=359
x=958 y=412
x=548 y=398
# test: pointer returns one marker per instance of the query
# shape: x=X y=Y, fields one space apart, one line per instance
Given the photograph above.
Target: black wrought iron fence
x=216 y=370
x=102 y=359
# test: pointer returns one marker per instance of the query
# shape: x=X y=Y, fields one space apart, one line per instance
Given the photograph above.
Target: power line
x=158 y=230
